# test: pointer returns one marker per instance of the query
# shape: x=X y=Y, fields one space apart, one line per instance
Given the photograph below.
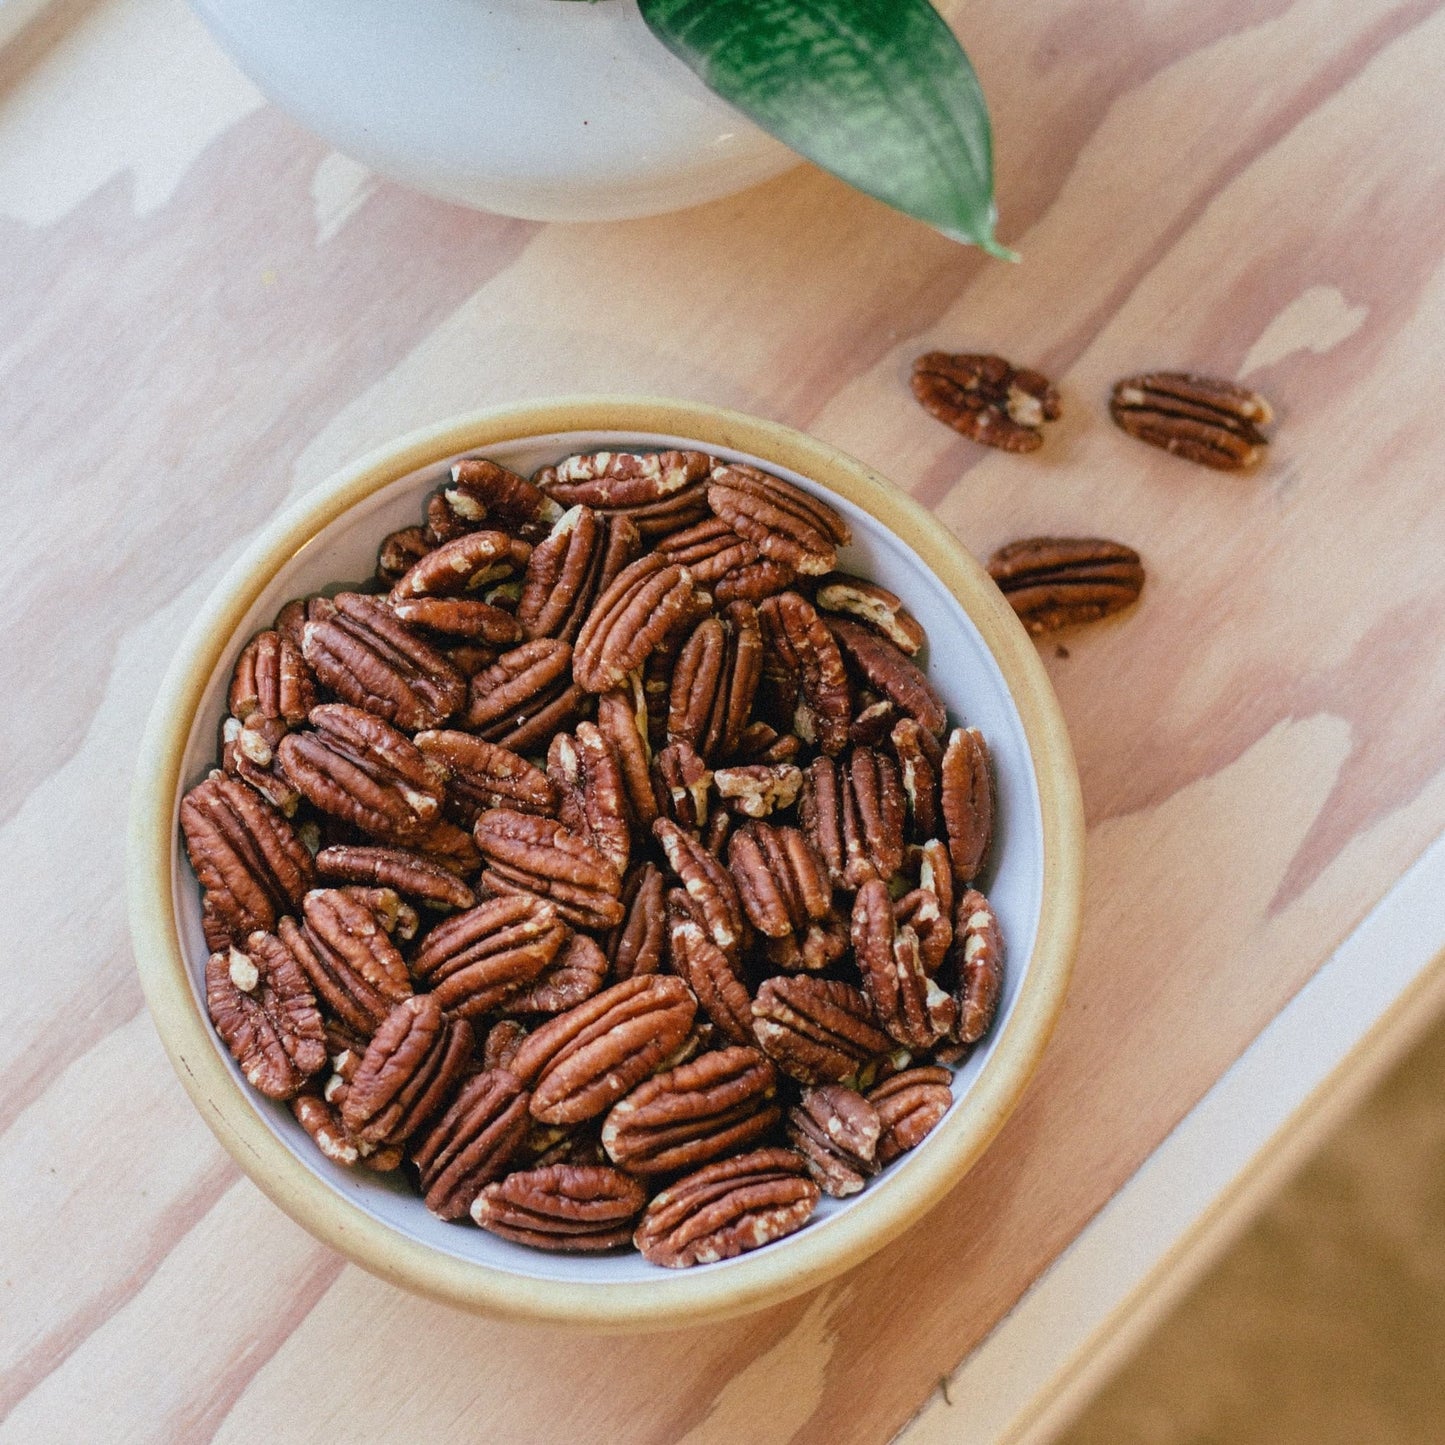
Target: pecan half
x=462 y=565
x=581 y=1062
x=482 y=775
x=622 y=480
x=986 y=398
x=726 y=1209
x=266 y=1015
x=781 y=520
x=715 y=1105
x=835 y=1130
x=624 y=725
x=248 y=752
x=646 y=602
x=920 y=758
x=481 y=491
x=706 y=882
x=361 y=769
x=817 y=1030
x=781 y=881
x=471 y=1144
x=804 y=644
x=966 y=795
x=324 y=1128
x=370 y=658
x=570 y=569
x=409 y=1069
x=578 y=972
x=399 y=552
x=757 y=790
x=503 y=1040
x=637 y=944
x=1054 y=582
x=978 y=965
x=474 y=962
x=354 y=967
x=525 y=696
x=909 y=1105
x=1200 y=418
x=890 y=673
x=873 y=721
x=246 y=855
x=852 y=814
x=714 y=681
x=538 y=855
x=271 y=678
x=913 y=1009
x=460 y=617
x=876 y=606
x=681 y=782
x=571 y=1208
x=921 y=910
x=588 y=777
x=732 y=569
x=413 y=875
x=711 y=974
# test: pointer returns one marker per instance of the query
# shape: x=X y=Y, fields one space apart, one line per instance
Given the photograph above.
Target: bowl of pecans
x=606 y=861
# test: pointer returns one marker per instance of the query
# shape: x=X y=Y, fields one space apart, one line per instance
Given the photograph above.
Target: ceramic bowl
x=979 y=659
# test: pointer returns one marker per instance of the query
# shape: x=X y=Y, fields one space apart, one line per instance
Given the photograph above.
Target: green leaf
x=877 y=91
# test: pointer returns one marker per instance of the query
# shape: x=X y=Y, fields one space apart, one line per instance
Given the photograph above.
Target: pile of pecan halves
x=607 y=862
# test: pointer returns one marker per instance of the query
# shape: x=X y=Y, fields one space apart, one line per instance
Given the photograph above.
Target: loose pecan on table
x=986 y=398
x=1200 y=418
x=1054 y=582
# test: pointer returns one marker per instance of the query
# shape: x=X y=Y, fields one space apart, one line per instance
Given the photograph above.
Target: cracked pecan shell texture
x=1200 y=418
x=1056 y=582
x=817 y=1030
x=266 y=1015
x=462 y=564
x=371 y=659
x=568 y=1208
x=475 y=962
x=890 y=672
x=408 y=1071
x=717 y=1104
x=360 y=769
x=583 y=1061
x=271 y=679
x=247 y=857
x=355 y=969
x=978 y=964
x=785 y=523
x=726 y=1209
x=645 y=603
x=966 y=798
x=986 y=398
x=835 y=1130
x=911 y=1007
x=473 y=1143
x=910 y=1106
x=526 y=853
x=413 y=875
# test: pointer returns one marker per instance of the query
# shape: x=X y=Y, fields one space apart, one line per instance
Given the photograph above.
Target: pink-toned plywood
x=1246 y=189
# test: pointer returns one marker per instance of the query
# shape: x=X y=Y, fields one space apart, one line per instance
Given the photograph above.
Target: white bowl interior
x=959 y=665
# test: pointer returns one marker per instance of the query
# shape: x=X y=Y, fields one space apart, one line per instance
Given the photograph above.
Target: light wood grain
x=183 y=347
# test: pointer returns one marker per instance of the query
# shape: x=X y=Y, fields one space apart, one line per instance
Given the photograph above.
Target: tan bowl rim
x=804 y=1260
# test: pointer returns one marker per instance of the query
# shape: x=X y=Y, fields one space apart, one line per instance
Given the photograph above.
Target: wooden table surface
x=203 y=312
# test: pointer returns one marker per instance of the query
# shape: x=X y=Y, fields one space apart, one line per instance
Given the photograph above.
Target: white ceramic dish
x=332 y=537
